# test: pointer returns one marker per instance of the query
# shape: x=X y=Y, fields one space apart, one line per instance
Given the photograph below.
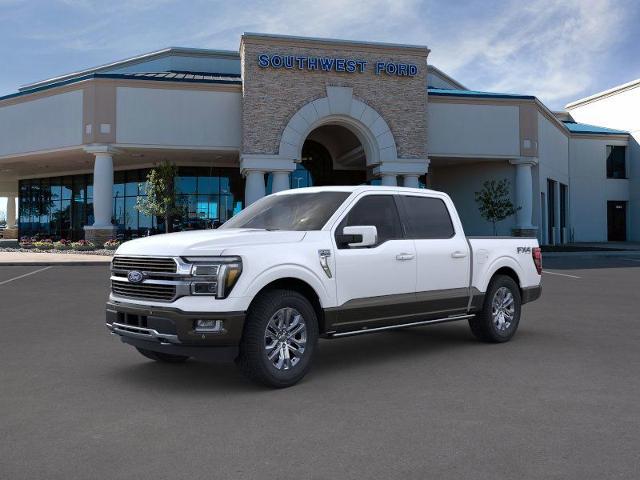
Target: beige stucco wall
x=272 y=96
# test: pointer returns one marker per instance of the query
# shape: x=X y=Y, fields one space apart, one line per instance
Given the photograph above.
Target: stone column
x=102 y=228
x=389 y=180
x=524 y=197
x=412 y=181
x=254 y=186
x=11 y=232
x=280 y=181
x=11 y=211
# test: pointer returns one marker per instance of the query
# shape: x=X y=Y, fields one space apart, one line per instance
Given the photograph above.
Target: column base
x=524 y=231
x=99 y=235
x=9 y=233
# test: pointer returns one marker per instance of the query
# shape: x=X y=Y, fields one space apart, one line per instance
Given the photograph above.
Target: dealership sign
x=335 y=64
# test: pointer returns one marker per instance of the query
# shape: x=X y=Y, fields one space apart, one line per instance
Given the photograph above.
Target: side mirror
x=358 y=236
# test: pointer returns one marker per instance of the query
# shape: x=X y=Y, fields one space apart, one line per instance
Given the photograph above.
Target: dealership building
x=288 y=112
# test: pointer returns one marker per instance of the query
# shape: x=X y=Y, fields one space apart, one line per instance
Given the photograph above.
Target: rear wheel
x=279 y=338
x=500 y=315
x=162 y=357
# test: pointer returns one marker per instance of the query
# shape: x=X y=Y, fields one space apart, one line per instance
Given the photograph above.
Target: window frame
x=343 y=216
x=606 y=163
x=404 y=216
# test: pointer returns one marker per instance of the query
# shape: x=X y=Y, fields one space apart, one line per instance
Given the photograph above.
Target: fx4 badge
x=524 y=249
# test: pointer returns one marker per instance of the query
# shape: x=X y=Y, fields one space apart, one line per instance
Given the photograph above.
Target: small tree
x=161 y=199
x=494 y=202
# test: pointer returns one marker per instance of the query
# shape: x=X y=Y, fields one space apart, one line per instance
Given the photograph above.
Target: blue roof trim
x=225 y=80
x=585 y=128
x=444 y=92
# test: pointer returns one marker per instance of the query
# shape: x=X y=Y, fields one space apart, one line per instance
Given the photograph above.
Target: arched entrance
x=331 y=155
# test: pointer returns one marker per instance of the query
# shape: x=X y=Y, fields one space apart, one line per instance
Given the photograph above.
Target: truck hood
x=205 y=242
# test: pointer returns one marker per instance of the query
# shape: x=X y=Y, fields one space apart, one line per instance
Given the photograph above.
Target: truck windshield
x=300 y=211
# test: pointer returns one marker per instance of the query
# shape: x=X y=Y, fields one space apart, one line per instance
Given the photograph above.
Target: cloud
x=557 y=50
x=547 y=48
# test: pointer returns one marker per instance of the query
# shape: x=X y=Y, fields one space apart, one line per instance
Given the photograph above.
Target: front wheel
x=279 y=338
x=500 y=315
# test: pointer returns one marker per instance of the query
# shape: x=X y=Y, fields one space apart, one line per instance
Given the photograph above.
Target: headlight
x=214 y=275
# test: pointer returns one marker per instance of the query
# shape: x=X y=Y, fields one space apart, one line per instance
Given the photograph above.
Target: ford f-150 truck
x=325 y=262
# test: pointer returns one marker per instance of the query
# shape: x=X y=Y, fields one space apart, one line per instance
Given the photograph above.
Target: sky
x=557 y=50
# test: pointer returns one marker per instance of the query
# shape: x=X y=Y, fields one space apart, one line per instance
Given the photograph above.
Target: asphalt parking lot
x=559 y=401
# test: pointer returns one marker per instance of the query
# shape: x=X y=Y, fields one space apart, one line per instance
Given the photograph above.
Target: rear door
x=442 y=254
x=374 y=284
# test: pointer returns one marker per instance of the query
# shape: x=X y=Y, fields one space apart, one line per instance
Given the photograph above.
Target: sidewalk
x=37 y=259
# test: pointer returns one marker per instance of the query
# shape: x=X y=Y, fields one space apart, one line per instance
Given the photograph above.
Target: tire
x=498 y=320
x=279 y=338
x=162 y=357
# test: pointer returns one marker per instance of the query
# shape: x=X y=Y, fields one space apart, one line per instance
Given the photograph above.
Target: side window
x=426 y=218
x=379 y=211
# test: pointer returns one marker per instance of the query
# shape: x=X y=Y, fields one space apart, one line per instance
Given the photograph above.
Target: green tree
x=161 y=199
x=494 y=202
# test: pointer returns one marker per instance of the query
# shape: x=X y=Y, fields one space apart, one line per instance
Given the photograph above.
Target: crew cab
x=310 y=263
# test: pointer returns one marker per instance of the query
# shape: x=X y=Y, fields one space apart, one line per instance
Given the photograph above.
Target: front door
x=617 y=221
x=375 y=285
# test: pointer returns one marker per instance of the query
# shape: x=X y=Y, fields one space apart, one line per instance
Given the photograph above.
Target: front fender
x=298 y=272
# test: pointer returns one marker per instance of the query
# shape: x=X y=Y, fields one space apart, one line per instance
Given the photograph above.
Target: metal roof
x=585 y=128
x=187 y=77
x=444 y=92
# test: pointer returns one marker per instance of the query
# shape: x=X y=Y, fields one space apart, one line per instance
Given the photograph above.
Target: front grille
x=145 y=264
x=148 y=291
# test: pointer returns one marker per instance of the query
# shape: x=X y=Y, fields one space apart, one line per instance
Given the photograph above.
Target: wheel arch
x=302 y=287
x=503 y=266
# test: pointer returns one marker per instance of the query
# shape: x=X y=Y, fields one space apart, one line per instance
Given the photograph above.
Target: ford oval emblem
x=134 y=276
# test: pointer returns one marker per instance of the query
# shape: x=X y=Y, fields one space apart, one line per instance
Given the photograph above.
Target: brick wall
x=271 y=96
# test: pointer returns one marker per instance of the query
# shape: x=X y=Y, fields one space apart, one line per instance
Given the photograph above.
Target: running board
x=402 y=325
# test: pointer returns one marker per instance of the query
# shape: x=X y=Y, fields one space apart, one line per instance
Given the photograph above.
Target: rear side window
x=379 y=211
x=426 y=218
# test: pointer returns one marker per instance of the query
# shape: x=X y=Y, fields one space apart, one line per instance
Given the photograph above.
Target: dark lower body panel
x=170 y=326
x=205 y=354
x=529 y=294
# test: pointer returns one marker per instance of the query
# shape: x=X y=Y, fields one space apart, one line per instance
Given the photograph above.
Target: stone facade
x=272 y=96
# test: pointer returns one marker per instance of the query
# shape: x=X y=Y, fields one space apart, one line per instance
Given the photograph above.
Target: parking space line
x=632 y=259
x=25 y=275
x=561 y=274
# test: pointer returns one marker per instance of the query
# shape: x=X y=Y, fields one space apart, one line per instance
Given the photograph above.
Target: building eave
x=606 y=93
x=132 y=61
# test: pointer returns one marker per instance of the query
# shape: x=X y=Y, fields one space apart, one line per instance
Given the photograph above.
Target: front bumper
x=167 y=326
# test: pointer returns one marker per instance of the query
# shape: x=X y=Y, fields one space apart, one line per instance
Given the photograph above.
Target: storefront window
x=59 y=207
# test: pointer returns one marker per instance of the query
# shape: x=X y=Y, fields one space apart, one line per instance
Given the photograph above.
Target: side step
x=395 y=327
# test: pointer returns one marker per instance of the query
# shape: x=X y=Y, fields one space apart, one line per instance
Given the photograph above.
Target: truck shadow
x=333 y=356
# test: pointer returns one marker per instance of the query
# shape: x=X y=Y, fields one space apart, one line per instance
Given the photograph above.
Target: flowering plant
x=62 y=244
x=83 y=245
x=112 y=244
x=43 y=244
x=26 y=242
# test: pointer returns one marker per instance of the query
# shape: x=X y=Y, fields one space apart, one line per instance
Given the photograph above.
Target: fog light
x=210 y=326
x=208 y=288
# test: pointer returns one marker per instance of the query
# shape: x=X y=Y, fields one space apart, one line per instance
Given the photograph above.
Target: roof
x=474 y=93
x=172 y=76
x=604 y=93
x=337 y=41
x=134 y=60
x=584 y=128
x=355 y=189
x=436 y=71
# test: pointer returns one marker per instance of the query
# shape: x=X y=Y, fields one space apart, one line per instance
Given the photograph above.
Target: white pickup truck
x=316 y=262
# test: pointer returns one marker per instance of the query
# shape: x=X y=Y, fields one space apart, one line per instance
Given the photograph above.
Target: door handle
x=458 y=254
x=405 y=256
